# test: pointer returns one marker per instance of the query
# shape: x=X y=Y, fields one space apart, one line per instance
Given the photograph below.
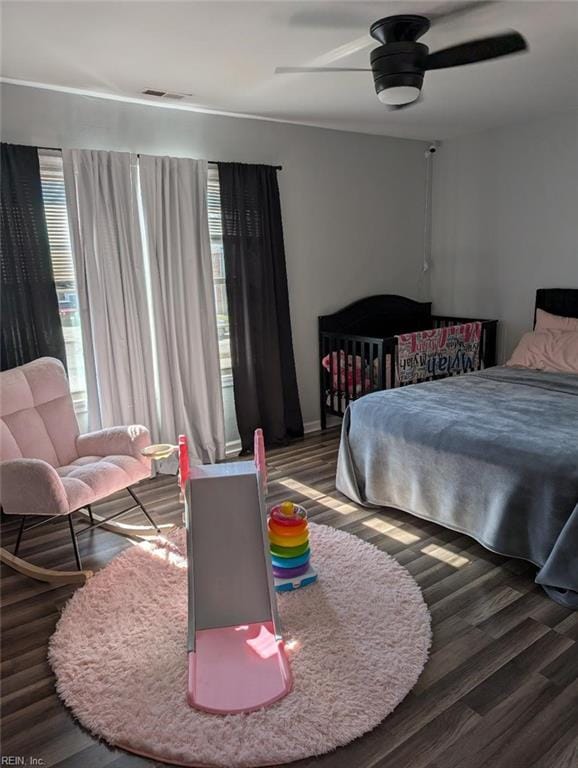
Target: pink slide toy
x=237 y=661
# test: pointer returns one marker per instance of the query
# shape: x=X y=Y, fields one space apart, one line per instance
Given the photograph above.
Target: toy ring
x=289 y=551
x=288 y=541
x=291 y=562
x=290 y=573
x=299 y=514
x=282 y=519
x=288 y=530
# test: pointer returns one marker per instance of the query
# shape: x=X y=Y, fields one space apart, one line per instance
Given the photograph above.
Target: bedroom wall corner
x=505 y=221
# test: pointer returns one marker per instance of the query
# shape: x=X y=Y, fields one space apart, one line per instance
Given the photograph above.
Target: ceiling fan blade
x=305 y=70
x=342 y=51
x=476 y=50
x=329 y=17
x=450 y=11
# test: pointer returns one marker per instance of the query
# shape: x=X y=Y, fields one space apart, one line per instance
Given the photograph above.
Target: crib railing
x=358 y=365
x=488 y=339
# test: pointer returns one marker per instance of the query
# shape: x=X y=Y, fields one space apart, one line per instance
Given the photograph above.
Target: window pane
x=54 y=196
x=216 y=235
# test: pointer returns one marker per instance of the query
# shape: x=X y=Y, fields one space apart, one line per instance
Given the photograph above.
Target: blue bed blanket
x=492 y=454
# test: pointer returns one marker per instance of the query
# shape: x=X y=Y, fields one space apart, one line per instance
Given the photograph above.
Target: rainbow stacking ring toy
x=289 y=543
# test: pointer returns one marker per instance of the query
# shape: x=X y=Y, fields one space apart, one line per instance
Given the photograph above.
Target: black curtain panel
x=264 y=377
x=30 y=320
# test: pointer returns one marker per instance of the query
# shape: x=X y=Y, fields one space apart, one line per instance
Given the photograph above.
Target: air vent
x=165 y=94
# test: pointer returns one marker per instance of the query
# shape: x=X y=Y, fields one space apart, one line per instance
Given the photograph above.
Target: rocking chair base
x=96 y=521
x=124 y=529
x=43 y=574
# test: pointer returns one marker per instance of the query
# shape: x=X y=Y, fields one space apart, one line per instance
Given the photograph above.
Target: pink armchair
x=46 y=467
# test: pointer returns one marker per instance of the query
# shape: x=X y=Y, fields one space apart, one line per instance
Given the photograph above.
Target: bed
x=493 y=454
x=358 y=347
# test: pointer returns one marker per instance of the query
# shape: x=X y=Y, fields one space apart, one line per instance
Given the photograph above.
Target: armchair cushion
x=124 y=441
x=32 y=487
x=91 y=478
x=36 y=413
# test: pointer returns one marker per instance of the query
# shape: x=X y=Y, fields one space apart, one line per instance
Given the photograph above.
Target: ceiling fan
x=399 y=63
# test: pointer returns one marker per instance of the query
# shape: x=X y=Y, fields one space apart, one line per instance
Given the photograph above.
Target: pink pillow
x=547 y=351
x=547 y=322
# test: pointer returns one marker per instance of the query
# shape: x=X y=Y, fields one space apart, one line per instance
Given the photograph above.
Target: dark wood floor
x=500 y=688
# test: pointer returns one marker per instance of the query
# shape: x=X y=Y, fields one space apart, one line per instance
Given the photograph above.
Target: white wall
x=505 y=221
x=352 y=204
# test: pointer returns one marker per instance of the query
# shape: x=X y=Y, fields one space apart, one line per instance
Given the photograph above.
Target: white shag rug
x=357 y=641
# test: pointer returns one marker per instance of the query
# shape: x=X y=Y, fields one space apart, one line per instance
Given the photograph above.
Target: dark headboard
x=557 y=301
x=382 y=316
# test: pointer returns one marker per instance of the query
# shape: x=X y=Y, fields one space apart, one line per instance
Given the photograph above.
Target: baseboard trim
x=234 y=446
x=311 y=426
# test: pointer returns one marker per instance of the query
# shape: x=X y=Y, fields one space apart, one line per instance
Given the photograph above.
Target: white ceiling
x=225 y=53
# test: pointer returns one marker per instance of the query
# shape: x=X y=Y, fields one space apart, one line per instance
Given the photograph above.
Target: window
x=54 y=197
x=53 y=192
x=216 y=235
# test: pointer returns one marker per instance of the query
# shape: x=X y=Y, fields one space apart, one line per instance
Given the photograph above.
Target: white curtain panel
x=174 y=201
x=102 y=199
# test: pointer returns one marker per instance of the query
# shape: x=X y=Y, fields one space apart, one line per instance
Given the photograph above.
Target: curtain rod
x=138 y=154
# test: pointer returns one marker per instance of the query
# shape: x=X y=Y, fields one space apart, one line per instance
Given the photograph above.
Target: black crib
x=367 y=329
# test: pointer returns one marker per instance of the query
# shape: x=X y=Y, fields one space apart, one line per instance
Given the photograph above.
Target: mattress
x=492 y=454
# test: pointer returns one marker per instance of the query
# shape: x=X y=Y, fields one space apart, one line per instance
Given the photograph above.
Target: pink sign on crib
x=445 y=351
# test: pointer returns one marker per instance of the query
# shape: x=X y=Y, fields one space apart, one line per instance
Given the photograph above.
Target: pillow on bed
x=545 y=321
x=547 y=351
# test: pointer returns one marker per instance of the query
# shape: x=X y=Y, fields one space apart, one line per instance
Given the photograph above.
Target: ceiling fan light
x=398 y=95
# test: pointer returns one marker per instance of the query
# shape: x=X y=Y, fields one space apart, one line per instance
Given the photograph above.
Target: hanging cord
x=427 y=212
x=423 y=282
